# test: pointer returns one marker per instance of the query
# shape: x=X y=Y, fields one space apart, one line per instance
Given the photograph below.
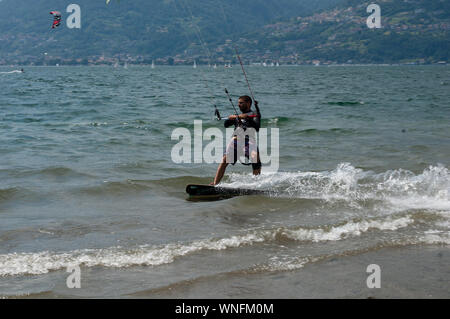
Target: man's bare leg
x=255 y=155
x=220 y=171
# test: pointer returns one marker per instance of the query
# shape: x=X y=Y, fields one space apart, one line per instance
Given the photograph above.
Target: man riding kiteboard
x=244 y=138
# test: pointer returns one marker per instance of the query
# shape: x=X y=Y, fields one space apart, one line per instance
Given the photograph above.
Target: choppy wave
x=12 y=72
x=400 y=188
x=115 y=188
x=146 y=255
x=52 y=171
x=275 y=121
x=288 y=263
x=333 y=131
x=345 y=103
x=8 y=193
x=278 y=121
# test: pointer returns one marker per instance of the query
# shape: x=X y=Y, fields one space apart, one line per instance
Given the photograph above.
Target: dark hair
x=246 y=98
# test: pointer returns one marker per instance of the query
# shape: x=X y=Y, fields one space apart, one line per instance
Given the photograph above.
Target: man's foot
x=257 y=172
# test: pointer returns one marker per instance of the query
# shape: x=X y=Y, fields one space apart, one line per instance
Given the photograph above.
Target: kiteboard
x=209 y=192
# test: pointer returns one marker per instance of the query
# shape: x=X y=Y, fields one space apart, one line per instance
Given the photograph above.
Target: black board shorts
x=234 y=152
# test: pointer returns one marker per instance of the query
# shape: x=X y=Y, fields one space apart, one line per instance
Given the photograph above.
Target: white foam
x=286 y=263
x=349 y=229
x=438 y=238
x=399 y=189
x=43 y=262
x=12 y=72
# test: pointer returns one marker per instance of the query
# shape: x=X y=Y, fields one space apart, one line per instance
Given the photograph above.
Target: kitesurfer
x=246 y=125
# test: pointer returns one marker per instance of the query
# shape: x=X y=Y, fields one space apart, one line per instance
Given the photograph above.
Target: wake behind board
x=209 y=192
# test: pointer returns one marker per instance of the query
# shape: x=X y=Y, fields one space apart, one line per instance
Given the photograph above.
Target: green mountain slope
x=150 y=28
x=288 y=31
x=412 y=31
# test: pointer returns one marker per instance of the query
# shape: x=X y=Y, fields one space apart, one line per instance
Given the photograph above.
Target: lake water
x=87 y=179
